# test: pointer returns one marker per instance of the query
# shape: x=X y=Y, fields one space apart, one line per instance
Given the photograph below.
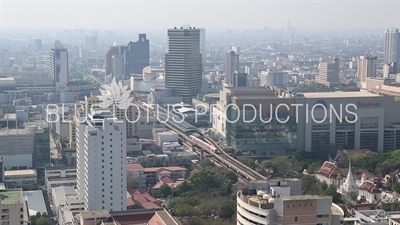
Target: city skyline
x=131 y=14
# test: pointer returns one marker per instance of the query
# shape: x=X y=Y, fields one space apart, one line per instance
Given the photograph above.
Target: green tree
x=204 y=180
x=353 y=196
x=165 y=190
x=396 y=187
x=183 y=187
x=34 y=187
x=248 y=162
x=313 y=167
x=226 y=208
x=43 y=221
x=131 y=183
x=269 y=164
x=336 y=197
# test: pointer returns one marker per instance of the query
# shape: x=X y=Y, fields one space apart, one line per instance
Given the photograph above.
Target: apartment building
x=13 y=207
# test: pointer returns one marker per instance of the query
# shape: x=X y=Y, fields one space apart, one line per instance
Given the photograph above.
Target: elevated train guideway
x=175 y=121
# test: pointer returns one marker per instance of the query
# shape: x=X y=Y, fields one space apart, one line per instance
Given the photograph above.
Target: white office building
x=101 y=164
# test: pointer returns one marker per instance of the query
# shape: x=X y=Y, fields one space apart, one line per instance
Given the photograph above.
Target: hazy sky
x=162 y=14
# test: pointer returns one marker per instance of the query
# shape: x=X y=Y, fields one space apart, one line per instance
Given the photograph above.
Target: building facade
x=366 y=67
x=183 y=63
x=259 y=207
x=371 y=123
x=328 y=71
x=255 y=131
x=101 y=162
x=137 y=56
x=274 y=78
x=231 y=66
x=59 y=69
x=13 y=208
x=392 y=48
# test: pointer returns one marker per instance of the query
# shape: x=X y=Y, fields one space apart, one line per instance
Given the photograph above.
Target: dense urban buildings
x=183 y=63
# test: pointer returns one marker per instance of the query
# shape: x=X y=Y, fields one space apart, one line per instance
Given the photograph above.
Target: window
x=323 y=216
x=4 y=211
x=295 y=219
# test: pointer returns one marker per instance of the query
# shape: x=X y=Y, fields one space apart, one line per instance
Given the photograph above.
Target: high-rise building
x=392 y=48
x=136 y=56
x=366 y=67
x=183 y=63
x=231 y=66
x=37 y=44
x=118 y=67
x=203 y=43
x=18 y=57
x=101 y=161
x=5 y=58
x=59 y=68
x=328 y=71
x=91 y=43
x=274 y=78
x=239 y=79
x=41 y=147
x=114 y=50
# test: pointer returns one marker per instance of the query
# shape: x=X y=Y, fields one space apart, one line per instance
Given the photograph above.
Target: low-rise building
x=331 y=174
x=59 y=176
x=260 y=207
x=20 y=178
x=370 y=191
x=153 y=174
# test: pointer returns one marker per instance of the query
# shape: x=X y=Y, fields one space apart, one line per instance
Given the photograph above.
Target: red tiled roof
x=330 y=170
x=133 y=219
x=167 y=180
x=368 y=175
x=133 y=167
x=369 y=187
x=142 y=199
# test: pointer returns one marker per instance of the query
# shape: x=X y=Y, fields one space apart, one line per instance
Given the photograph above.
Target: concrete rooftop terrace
x=339 y=94
x=10 y=197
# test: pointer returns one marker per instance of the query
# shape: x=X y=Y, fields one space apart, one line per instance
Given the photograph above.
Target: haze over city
x=199 y=112
x=161 y=14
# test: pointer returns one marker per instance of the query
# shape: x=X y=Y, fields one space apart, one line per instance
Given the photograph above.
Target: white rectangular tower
x=101 y=161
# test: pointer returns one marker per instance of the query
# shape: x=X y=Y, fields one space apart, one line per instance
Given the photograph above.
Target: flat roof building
x=13 y=207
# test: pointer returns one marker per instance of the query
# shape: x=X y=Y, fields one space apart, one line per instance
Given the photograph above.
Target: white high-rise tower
x=101 y=161
x=59 y=68
x=392 y=48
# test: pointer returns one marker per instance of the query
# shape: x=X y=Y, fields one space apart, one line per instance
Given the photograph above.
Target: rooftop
x=9 y=197
x=35 y=201
x=95 y=214
x=19 y=172
x=356 y=94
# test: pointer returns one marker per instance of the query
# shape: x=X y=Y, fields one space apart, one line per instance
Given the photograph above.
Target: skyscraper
x=118 y=67
x=37 y=44
x=366 y=67
x=137 y=56
x=101 y=161
x=231 y=66
x=5 y=58
x=59 y=68
x=392 y=48
x=114 y=50
x=328 y=71
x=183 y=63
x=202 y=42
x=91 y=43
